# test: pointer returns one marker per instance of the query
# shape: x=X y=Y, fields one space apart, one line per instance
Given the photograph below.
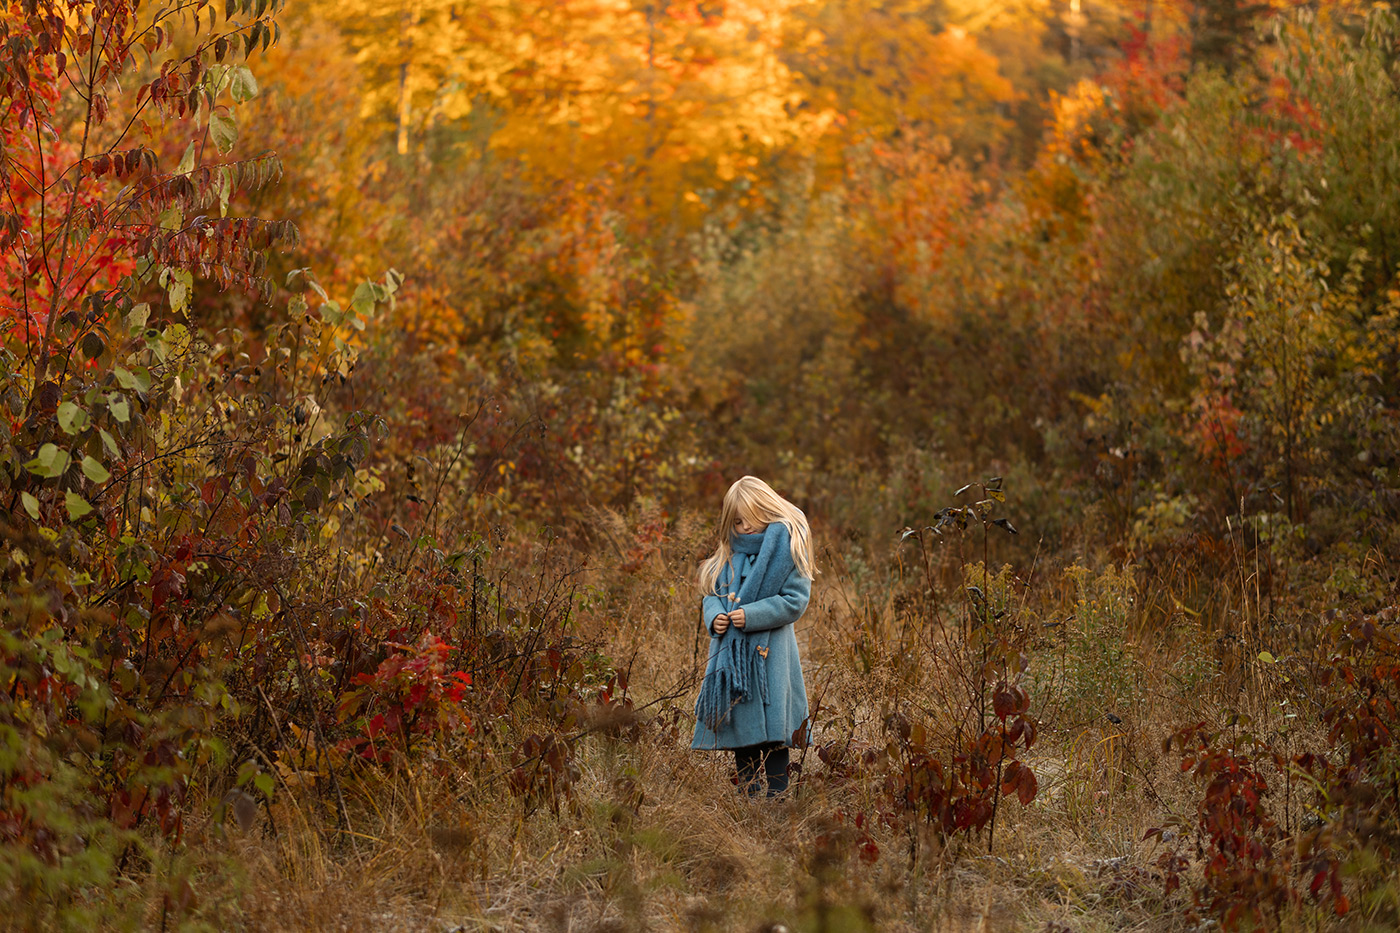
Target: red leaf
x=1010 y=777
x=1028 y=787
x=1317 y=882
x=1003 y=703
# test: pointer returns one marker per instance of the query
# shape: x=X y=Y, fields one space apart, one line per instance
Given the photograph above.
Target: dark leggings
x=771 y=760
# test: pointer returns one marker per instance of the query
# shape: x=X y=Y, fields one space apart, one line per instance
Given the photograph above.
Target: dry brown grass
x=655 y=838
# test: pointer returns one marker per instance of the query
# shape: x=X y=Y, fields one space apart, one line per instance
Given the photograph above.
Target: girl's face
x=744 y=525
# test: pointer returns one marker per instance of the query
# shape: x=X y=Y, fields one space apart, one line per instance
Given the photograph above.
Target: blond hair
x=753 y=500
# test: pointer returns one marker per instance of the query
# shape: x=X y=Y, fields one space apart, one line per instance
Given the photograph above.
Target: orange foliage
x=917 y=206
x=881 y=69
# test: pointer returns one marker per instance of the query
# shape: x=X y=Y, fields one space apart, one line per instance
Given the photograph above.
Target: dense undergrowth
x=366 y=600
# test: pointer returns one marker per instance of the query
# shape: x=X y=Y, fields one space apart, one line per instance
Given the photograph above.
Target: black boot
x=775 y=767
x=749 y=762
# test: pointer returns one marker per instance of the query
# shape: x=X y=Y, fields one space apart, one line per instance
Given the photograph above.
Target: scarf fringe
x=738 y=669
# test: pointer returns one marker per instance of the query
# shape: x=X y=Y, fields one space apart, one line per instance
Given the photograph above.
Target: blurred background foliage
x=371 y=370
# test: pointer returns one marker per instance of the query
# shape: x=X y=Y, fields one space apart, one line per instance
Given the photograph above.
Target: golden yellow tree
x=676 y=100
x=884 y=66
x=425 y=60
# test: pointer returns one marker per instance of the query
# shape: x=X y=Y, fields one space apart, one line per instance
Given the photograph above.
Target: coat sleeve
x=783 y=609
x=710 y=607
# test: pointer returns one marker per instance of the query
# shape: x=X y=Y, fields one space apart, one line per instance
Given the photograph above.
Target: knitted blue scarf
x=761 y=563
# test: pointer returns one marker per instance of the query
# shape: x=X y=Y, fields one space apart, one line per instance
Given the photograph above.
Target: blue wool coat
x=785 y=711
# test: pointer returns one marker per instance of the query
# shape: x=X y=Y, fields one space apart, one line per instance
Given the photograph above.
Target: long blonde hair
x=753 y=500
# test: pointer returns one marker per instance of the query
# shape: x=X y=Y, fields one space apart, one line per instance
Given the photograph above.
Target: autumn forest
x=372 y=374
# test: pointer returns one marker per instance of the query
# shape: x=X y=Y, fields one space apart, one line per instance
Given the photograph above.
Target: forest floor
x=655 y=837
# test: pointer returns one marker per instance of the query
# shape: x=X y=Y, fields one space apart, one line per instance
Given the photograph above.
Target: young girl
x=755 y=586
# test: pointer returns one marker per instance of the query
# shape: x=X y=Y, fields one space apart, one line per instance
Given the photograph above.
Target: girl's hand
x=722 y=623
x=737 y=617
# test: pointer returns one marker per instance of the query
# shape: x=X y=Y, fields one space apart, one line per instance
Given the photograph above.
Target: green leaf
x=366 y=294
x=245 y=86
x=263 y=782
x=186 y=161
x=392 y=280
x=223 y=129
x=177 y=336
x=138 y=379
x=31 y=505
x=50 y=462
x=71 y=418
x=223 y=184
x=302 y=279
x=95 y=471
x=216 y=79
x=107 y=440
x=93 y=345
x=120 y=410
x=77 y=505
x=1267 y=658
x=137 y=317
x=179 y=296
